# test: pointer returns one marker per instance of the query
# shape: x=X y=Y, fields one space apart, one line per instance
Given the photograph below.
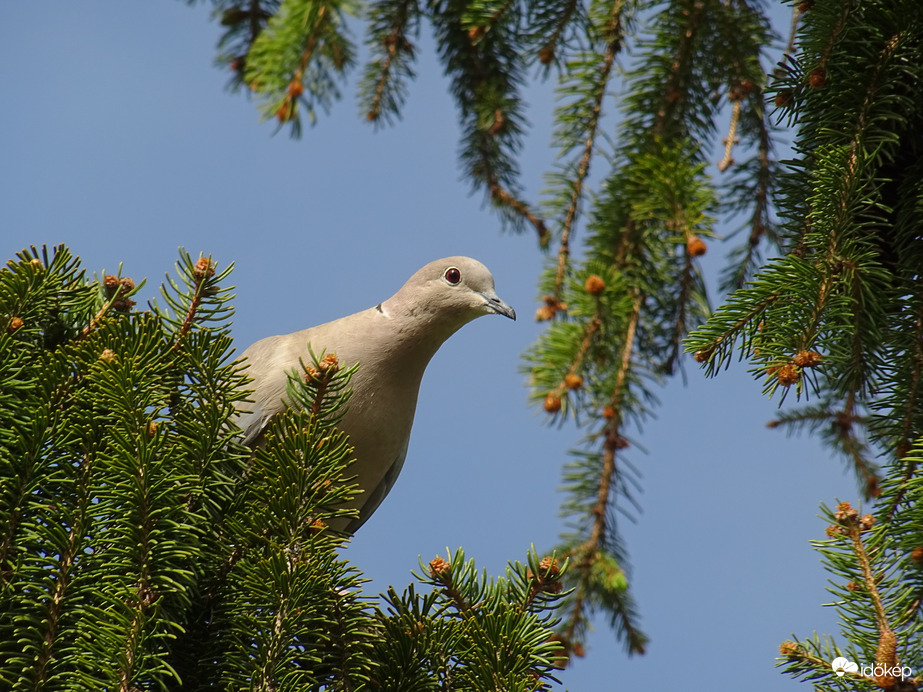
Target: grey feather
x=393 y=342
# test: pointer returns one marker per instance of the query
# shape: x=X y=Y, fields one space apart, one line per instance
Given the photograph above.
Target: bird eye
x=452 y=275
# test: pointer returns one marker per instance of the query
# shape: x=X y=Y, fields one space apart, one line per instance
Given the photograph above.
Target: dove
x=392 y=342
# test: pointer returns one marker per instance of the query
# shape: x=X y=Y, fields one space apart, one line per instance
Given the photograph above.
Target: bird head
x=455 y=290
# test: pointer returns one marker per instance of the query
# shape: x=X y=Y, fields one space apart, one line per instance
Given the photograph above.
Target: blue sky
x=119 y=140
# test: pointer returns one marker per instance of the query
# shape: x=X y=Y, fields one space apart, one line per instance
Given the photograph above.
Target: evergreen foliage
x=142 y=548
x=825 y=304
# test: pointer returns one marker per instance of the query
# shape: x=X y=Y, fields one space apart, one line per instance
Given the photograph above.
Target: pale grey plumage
x=392 y=342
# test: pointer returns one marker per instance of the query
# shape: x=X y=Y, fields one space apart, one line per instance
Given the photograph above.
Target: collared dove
x=392 y=342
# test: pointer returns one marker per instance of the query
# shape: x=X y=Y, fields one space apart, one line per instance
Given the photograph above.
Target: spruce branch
x=504 y=198
x=759 y=188
x=561 y=20
x=118 y=291
x=243 y=22
x=913 y=383
x=675 y=88
x=440 y=571
x=477 y=45
x=202 y=271
x=612 y=33
x=588 y=554
x=298 y=58
x=382 y=88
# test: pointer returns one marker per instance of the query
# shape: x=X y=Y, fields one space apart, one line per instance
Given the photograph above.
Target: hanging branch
x=612 y=34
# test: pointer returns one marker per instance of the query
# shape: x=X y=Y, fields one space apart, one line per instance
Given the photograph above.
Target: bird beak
x=494 y=304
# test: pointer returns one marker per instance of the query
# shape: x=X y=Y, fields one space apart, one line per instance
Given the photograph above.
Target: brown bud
x=595 y=285
x=845 y=513
x=316 y=527
x=475 y=32
x=122 y=304
x=783 y=98
x=311 y=374
x=788 y=648
x=552 y=403
x=549 y=567
x=151 y=429
x=546 y=55
x=805 y=5
x=695 y=246
x=579 y=651
x=807 y=359
x=546 y=579
x=572 y=381
x=608 y=412
x=545 y=313
x=852 y=586
x=127 y=284
x=329 y=364
x=917 y=554
x=555 y=303
x=204 y=268
x=703 y=355
x=866 y=522
x=439 y=567
x=111 y=285
x=295 y=89
x=285 y=112
x=15 y=323
x=833 y=531
x=787 y=375
x=107 y=356
x=817 y=78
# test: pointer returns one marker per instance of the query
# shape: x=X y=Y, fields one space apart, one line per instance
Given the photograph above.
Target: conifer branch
x=910 y=405
x=613 y=45
x=396 y=46
x=913 y=386
x=833 y=39
x=118 y=291
x=728 y=334
x=673 y=90
x=759 y=222
x=853 y=526
x=588 y=553
x=571 y=379
x=547 y=52
x=505 y=198
x=441 y=572
x=96 y=319
x=843 y=423
x=203 y=270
